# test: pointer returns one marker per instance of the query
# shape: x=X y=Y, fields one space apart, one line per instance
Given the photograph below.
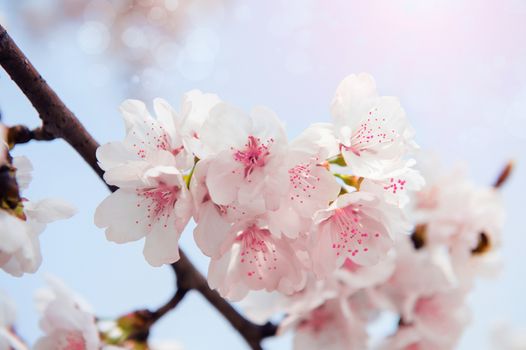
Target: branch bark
x=59 y=122
x=57 y=119
x=504 y=175
x=188 y=277
x=22 y=134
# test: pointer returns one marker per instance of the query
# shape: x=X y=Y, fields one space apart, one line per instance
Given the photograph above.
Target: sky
x=458 y=68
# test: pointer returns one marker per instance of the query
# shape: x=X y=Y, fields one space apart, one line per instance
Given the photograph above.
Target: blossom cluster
x=334 y=227
x=149 y=39
x=331 y=230
x=268 y=211
x=21 y=220
x=68 y=323
x=423 y=281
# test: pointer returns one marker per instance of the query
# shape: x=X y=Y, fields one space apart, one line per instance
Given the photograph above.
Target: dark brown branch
x=188 y=277
x=170 y=305
x=60 y=122
x=141 y=321
x=57 y=120
x=504 y=175
x=22 y=134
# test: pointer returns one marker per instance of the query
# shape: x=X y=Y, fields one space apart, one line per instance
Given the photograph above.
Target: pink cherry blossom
x=246 y=157
x=417 y=274
x=260 y=306
x=373 y=132
x=254 y=259
x=440 y=314
x=311 y=187
x=158 y=208
x=66 y=322
x=148 y=141
x=409 y=338
x=357 y=277
x=399 y=187
x=331 y=325
x=465 y=218
x=356 y=226
x=214 y=221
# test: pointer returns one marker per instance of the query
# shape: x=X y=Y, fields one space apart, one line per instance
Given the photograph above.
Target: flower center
x=371 y=133
x=254 y=155
x=159 y=202
x=350 y=233
x=72 y=341
x=302 y=181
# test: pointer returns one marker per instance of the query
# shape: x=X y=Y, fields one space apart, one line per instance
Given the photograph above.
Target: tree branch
x=22 y=134
x=188 y=277
x=57 y=120
x=504 y=175
x=60 y=122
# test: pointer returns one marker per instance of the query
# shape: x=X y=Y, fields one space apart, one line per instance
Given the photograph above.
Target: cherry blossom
x=417 y=274
x=409 y=338
x=20 y=228
x=260 y=306
x=356 y=226
x=246 y=157
x=439 y=314
x=158 y=208
x=373 y=132
x=196 y=107
x=330 y=231
x=311 y=187
x=214 y=221
x=465 y=218
x=66 y=321
x=8 y=339
x=437 y=323
x=254 y=259
x=148 y=140
x=332 y=325
x=357 y=277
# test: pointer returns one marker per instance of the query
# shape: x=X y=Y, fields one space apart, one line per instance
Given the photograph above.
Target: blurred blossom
x=143 y=36
x=506 y=337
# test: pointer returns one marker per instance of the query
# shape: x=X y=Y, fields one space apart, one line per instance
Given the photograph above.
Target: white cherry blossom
x=374 y=135
x=8 y=339
x=246 y=157
x=254 y=259
x=19 y=234
x=158 y=208
x=356 y=226
x=66 y=321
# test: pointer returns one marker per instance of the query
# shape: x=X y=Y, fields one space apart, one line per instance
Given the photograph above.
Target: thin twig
x=504 y=175
x=170 y=305
x=60 y=122
x=22 y=134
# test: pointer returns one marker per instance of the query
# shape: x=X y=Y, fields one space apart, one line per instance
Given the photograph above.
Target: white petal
x=162 y=246
x=125 y=221
x=49 y=210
